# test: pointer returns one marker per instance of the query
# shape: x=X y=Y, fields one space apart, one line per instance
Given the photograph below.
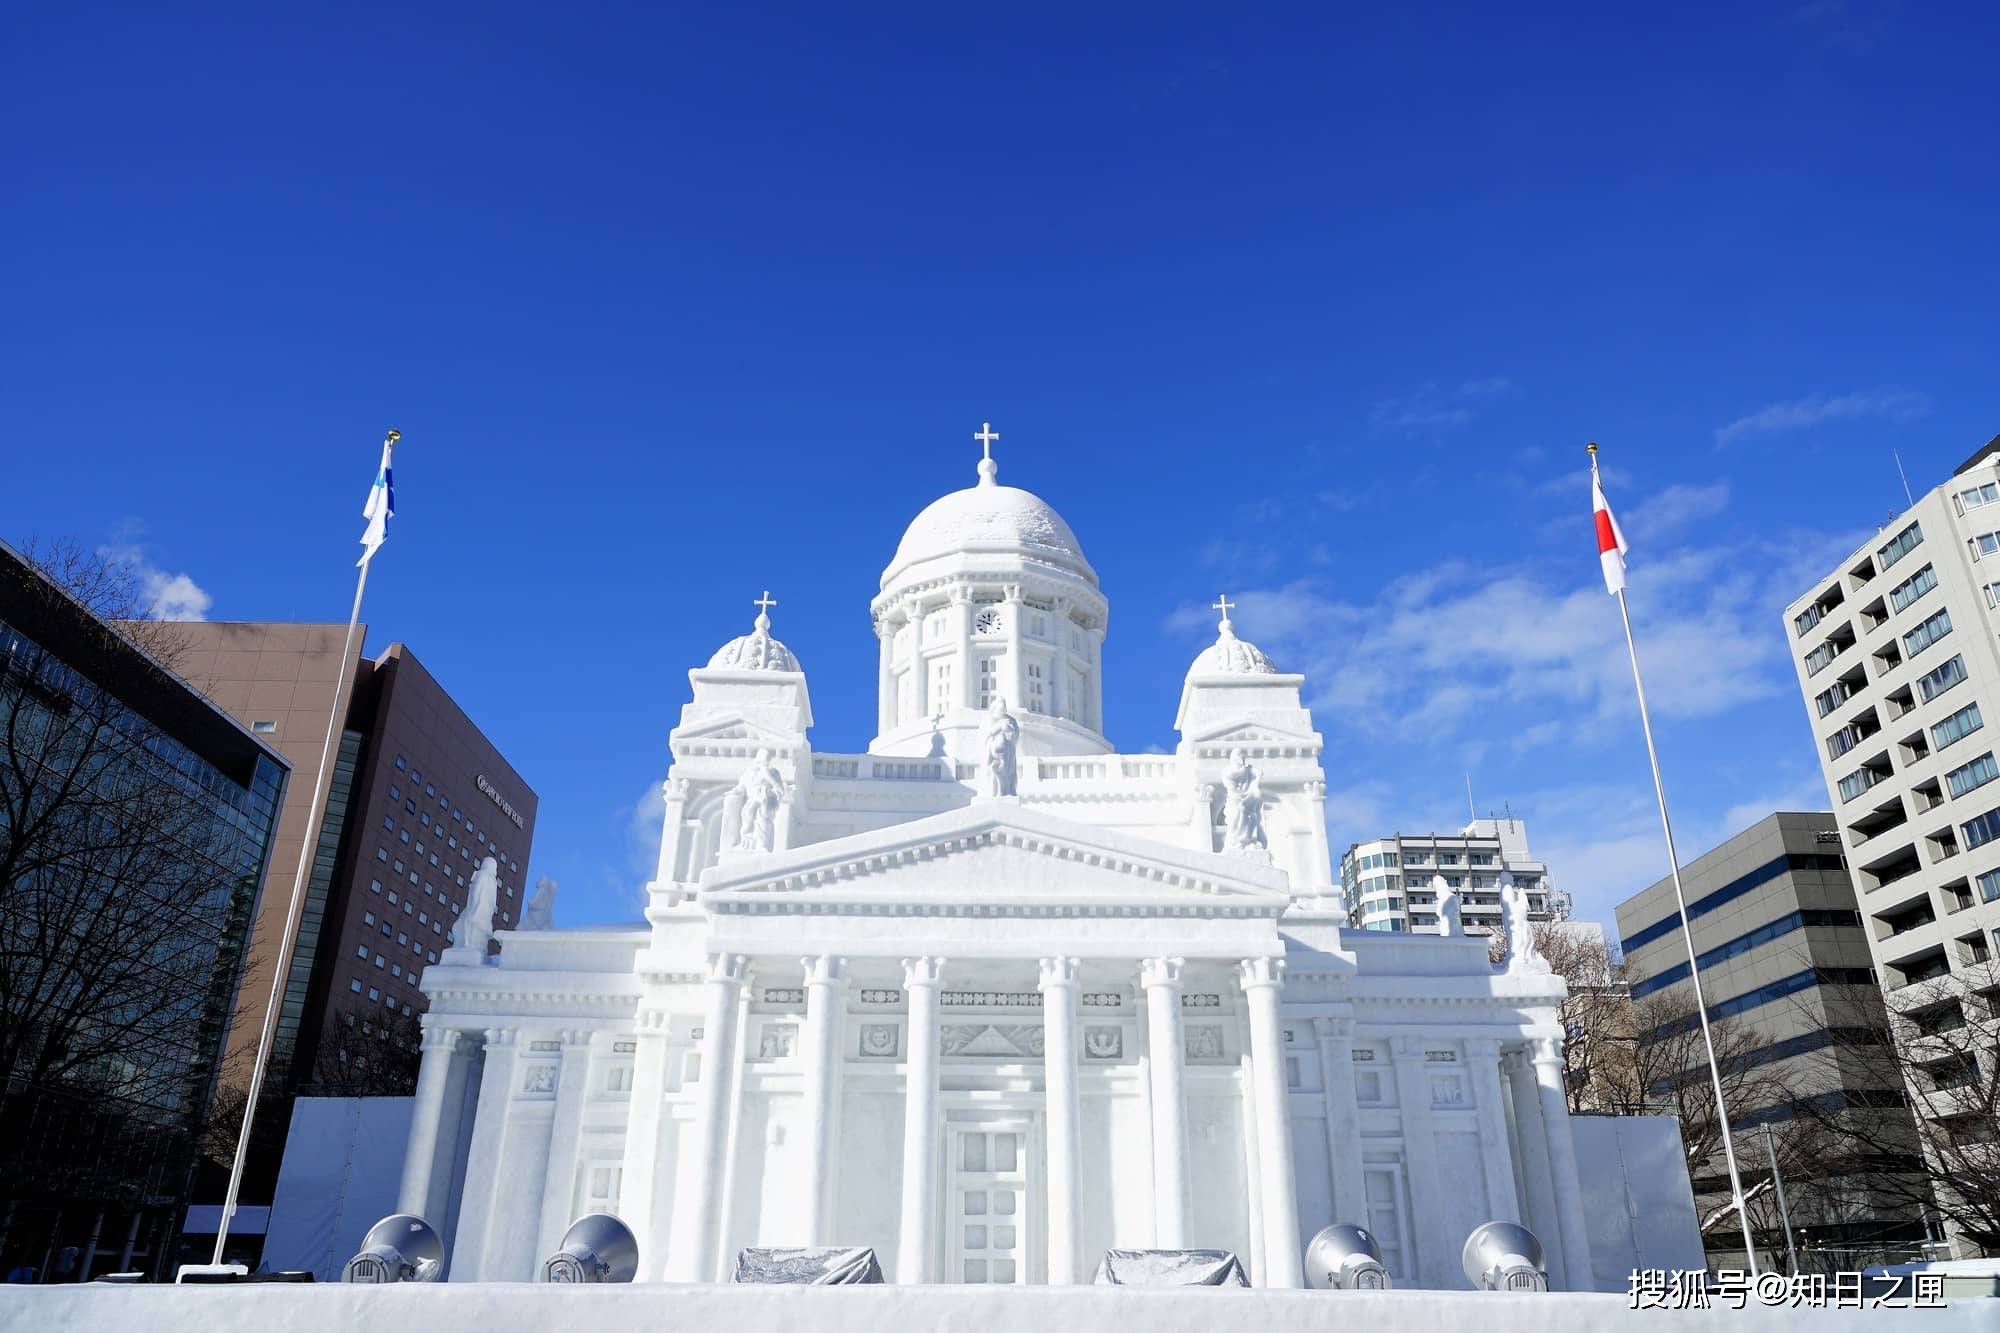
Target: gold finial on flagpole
x=1591 y=449
x=396 y=435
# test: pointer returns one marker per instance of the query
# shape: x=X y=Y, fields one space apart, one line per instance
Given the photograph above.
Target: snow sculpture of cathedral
x=990 y=996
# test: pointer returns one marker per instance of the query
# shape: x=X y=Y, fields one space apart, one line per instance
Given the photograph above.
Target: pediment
x=733 y=732
x=995 y=858
x=1253 y=736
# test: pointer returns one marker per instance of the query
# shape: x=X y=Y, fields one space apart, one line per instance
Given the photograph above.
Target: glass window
x=1982 y=830
x=1913 y=587
x=1989 y=888
x=1969 y=777
x=374 y=886
x=374 y=993
x=1901 y=545
x=1956 y=727
x=1941 y=679
x=355 y=985
x=381 y=853
x=1927 y=633
x=395 y=792
x=399 y=762
x=1978 y=496
x=361 y=952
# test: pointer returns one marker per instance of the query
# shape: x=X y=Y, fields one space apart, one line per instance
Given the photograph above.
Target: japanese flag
x=1611 y=546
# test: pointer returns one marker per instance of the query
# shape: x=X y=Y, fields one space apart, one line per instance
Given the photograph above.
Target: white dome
x=1229 y=655
x=755 y=651
x=990 y=517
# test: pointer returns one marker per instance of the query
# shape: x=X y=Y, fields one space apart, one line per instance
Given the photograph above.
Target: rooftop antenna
x=1908 y=498
x=1470 y=808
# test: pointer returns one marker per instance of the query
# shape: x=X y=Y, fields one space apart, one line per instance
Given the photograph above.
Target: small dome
x=990 y=517
x=755 y=651
x=1231 y=655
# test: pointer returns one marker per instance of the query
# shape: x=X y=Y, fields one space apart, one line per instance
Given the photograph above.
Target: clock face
x=987 y=622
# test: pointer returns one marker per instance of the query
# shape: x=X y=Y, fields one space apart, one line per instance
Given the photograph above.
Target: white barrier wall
x=343 y=1164
x=507 y=1307
x=1636 y=1196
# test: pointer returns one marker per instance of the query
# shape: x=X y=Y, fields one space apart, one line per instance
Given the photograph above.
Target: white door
x=988 y=1204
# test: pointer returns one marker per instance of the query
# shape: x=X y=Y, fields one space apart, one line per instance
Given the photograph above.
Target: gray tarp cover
x=1170 y=1268
x=824 y=1265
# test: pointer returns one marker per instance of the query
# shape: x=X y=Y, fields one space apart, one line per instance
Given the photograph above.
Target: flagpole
x=1687 y=930
x=307 y=850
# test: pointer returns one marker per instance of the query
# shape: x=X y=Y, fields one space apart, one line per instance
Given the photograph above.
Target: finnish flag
x=381 y=505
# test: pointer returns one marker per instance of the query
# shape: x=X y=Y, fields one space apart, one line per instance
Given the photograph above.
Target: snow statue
x=1243 y=810
x=1449 y=922
x=763 y=790
x=1523 y=954
x=474 y=926
x=540 y=913
x=1003 y=741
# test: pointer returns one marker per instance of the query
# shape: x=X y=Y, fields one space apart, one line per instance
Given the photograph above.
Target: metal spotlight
x=1345 y=1258
x=399 y=1248
x=1505 y=1256
x=596 y=1248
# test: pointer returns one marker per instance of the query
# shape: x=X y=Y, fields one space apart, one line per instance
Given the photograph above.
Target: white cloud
x=1798 y=413
x=1666 y=511
x=1430 y=407
x=645 y=823
x=162 y=596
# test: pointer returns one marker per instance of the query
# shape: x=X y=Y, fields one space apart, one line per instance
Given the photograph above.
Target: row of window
x=1972 y=776
x=1763 y=995
x=1733 y=890
x=1926 y=633
x=1900 y=545
x=1910 y=589
x=1744 y=943
x=1929 y=686
x=375 y=993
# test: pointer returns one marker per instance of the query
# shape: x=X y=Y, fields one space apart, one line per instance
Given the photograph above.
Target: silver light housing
x=1505 y=1256
x=596 y=1248
x=399 y=1248
x=1344 y=1257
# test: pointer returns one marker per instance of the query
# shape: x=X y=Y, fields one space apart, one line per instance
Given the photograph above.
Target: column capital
x=1058 y=972
x=1548 y=1051
x=1254 y=972
x=1333 y=1029
x=1406 y=1047
x=1161 y=972
x=730 y=968
x=572 y=1037
x=825 y=969
x=502 y=1037
x=437 y=1037
x=925 y=971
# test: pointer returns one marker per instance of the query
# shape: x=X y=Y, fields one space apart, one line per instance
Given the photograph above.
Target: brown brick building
x=418 y=796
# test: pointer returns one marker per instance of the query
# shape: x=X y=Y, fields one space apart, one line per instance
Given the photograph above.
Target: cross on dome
x=1224 y=605
x=763 y=605
x=988 y=469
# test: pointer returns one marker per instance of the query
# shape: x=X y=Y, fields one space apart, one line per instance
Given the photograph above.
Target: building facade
x=136 y=828
x=990 y=996
x=1784 y=962
x=1388 y=881
x=1897 y=651
x=418 y=796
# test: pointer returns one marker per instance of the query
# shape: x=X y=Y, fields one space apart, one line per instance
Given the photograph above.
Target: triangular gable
x=997 y=854
x=731 y=732
x=1253 y=735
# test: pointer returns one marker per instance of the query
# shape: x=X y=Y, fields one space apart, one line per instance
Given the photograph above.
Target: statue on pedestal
x=1003 y=743
x=474 y=926
x=1450 y=923
x=540 y=912
x=762 y=788
x=1243 y=810
x=1523 y=954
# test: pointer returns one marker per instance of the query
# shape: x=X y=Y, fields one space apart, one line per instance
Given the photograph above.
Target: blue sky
x=1316 y=307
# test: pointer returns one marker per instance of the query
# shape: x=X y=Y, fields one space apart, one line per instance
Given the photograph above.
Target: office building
x=1388 y=880
x=1787 y=975
x=138 y=824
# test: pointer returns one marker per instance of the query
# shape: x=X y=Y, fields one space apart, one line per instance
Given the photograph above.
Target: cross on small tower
x=1224 y=605
x=765 y=603
x=986 y=435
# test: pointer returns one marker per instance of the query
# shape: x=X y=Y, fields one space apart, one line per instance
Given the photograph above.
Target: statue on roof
x=474 y=927
x=1243 y=810
x=1523 y=954
x=1003 y=743
x=762 y=788
x=1451 y=923
x=540 y=913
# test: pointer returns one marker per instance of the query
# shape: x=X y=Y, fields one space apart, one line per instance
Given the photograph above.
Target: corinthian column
x=693 y=1259
x=826 y=987
x=428 y=1150
x=918 y=1242
x=1058 y=985
x=1562 y=1163
x=1161 y=979
x=1262 y=978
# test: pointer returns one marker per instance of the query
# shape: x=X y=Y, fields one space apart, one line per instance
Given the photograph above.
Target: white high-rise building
x=1389 y=880
x=1898 y=656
